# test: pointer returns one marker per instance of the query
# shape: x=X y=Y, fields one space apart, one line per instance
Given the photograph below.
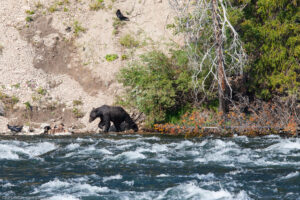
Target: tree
x=214 y=49
x=270 y=31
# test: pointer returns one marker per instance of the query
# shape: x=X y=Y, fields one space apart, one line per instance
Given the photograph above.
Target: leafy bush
x=158 y=86
x=77 y=113
x=41 y=91
x=111 y=57
x=29 y=12
x=77 y=102
x=28 y=19
x=53 y=8
x=124 y=57
x=17 y=85
x=28 y=105
x=78 y=28
x=97 y=5
x=14 y=100
x=128 y=41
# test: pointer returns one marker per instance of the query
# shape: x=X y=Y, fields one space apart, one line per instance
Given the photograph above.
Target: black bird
x=46 y=129
x=121 y=16
x=15 y=129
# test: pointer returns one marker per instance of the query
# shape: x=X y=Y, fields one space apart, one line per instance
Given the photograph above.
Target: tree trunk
x=219 y=52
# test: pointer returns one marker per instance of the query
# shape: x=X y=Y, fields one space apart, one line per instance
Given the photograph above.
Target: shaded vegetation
x=270 y=31
x=266 y=95
x=157 y=85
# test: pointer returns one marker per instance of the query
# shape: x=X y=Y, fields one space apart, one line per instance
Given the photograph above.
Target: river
x=149 y=167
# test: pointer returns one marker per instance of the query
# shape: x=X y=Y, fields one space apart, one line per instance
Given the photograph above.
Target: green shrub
x=97 y=5
x=78 y=28
x=28 y=19
x=14 y=100
x=29 y=12
x=28 y=105
x=41 y=91
x=17 y=85
x=124 y=57
x=128 y=41
x=53 y=8
x=77 y=102
x=111 y=57
x=3 y=95
x=77 y=113
x=158 y=86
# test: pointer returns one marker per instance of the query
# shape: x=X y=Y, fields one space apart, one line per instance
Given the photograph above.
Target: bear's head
x=93 y=115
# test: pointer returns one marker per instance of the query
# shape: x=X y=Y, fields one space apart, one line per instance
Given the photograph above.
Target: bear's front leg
x=107 y=124
x=101 y=124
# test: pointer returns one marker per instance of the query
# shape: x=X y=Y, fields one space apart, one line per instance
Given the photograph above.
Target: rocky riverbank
x=55 y=61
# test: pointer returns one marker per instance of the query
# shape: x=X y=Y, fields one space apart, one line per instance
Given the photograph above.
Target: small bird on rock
x=15 y=129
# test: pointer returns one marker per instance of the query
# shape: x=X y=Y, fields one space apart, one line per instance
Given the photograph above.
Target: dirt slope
x=53 y=53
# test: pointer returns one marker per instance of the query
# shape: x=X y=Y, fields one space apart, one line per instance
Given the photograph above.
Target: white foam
x=208 y=176
x=290 y=175
x=84 y=139
x=163 y=175
x=72 y=146
x=130 y=183
x=105 y=151
x=7 y=185
x=7 y=152
x=54 y=185
x=13 y=150
x=41 y=148
x=149 y=138
x=62 y=197
x=130 y=156
x=116 y=177
x=159 y=147
x=285 y=146
x=76 y=187
x=183 y=144
x=191 y=190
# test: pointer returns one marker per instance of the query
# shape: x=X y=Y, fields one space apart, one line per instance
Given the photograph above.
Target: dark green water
x=149 y=167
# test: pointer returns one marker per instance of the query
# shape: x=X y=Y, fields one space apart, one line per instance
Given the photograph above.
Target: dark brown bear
x=115 y=114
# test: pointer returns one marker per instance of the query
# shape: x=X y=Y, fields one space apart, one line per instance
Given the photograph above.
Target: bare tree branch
x=195 y=22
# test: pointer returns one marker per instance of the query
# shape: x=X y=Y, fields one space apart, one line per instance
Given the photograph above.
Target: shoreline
x=176 y=131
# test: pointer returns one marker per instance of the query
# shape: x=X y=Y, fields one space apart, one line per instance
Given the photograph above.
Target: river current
x=149 y=167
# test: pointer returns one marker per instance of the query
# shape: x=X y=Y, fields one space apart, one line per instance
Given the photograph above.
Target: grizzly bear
x=115 y=114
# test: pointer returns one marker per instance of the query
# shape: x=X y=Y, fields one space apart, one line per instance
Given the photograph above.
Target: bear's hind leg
x=118 y=127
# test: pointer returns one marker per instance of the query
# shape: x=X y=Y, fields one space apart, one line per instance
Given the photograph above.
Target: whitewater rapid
x=149 y=167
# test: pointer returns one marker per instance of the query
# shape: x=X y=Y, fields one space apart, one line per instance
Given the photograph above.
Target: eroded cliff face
x=52 y=55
